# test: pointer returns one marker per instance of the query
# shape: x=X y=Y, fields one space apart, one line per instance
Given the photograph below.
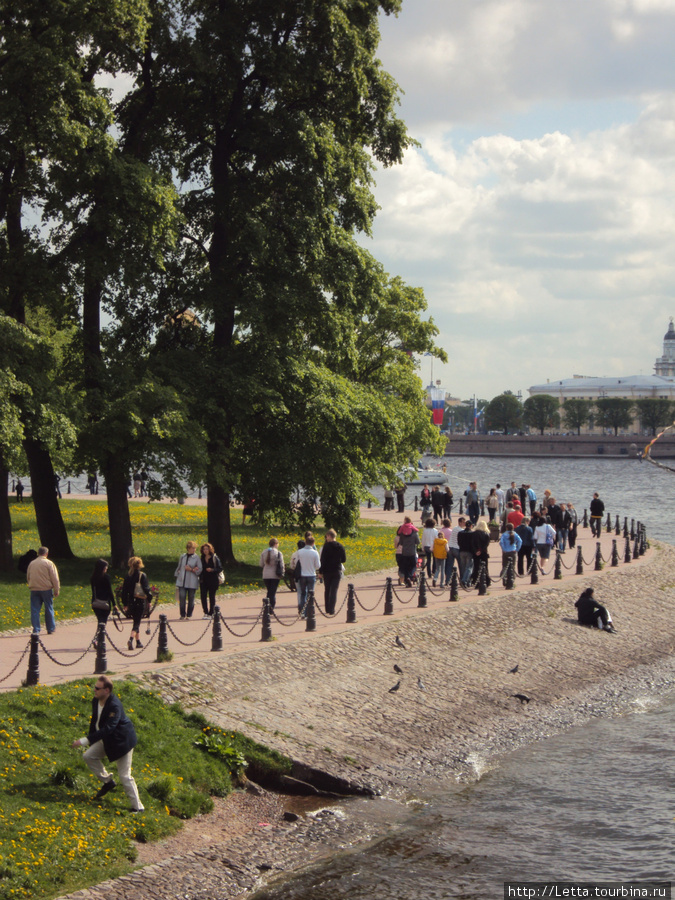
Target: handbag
x=102 y=605
x=280 y=566
x=139 y=592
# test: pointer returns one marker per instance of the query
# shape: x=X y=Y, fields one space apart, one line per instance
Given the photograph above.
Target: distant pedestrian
x=187 y=574
x=388 y=499
x=574 y=524
x=473 y=502
x=19 y=491
x=136 y=477
x=209 y=579
x=526 y=536
x=43 y=583
x=409 y=539
x=102 y=597
x=492 y=505
x=510 y=542
x=310 y=563
x=57 y=486
x=333 y=558
x=447 y=503
x=429 y=535
x=111 y=734
x=400 y=490
x=272 y=562
x=437 y=504
x=144 y=478
x=135 y=594
x=597 y=509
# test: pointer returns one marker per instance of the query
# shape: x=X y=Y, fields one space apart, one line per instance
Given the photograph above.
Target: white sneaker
x=206 y=617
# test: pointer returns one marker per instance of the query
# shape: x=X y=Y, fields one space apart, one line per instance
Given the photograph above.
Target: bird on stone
x=399 y=643
x=420 y=684
x=395 y=687
x=398 y=669
x=522 y=698
x=513 y=670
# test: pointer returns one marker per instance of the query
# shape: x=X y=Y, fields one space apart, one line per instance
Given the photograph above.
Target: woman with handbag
x=210 y=579
x=135 y=593
x=187 y=579
x=102 y=597
x=272 y=562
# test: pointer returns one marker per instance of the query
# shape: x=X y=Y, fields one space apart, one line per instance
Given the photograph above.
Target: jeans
x=563 y=534
x=473 y=509
x=272 y=584
x=190 y=593
x=439 y=570
x=37 y=598
x=466 y=566
x=305 y=585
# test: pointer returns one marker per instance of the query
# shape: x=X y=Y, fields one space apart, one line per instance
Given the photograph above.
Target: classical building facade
x=625 y=387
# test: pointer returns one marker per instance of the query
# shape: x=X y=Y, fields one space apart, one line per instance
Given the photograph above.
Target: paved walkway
x=67 y=654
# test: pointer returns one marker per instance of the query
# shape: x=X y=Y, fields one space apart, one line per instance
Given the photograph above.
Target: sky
x=537 y=212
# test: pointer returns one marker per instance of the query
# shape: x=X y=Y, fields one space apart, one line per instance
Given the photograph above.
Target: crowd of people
x=513 y=517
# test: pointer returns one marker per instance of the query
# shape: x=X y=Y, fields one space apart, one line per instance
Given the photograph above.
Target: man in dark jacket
x=113 y=735
x=597 y=508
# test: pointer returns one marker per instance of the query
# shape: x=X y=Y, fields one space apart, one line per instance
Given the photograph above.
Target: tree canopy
x=541 y=411
x=504 y=413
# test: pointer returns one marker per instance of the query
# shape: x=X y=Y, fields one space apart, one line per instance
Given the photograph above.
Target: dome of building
x=670 y=334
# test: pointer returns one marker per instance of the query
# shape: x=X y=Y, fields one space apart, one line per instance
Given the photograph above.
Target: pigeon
x=522 y=698
x=420 y=684
x=395 y=687
x=398 y=669
x=513 y=670
x=399 y=643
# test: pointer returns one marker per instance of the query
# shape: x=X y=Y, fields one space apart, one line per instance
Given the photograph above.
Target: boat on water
x=424 y=476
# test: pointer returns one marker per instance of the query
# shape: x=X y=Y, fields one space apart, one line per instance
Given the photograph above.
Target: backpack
x=26 y=560
x=440 y=548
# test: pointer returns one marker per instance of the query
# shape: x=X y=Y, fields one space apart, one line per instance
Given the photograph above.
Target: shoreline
x=327 y=704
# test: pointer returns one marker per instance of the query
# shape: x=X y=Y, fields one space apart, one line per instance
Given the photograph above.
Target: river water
x=594 y=804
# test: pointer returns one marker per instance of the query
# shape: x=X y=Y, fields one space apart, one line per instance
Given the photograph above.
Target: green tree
x=655 y=413
x=614 y=413
x=277 y=111
x=576 y=413
x=541 y=411
x=504 y=413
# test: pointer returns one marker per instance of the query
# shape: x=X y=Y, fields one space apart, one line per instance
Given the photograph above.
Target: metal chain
x=191 y=643
x=564 y=564
x=404 y=602
x=128 y=655
x=337 y=611
x=285 y=624
x=234 y=633
x=370 y=608
x=74 y=662
x=9 y=674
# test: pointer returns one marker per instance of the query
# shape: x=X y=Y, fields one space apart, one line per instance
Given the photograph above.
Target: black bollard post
x=510 y=579
x=67 y=492
x=636 y=548
x=534 y=567
x=461 y=506
x=580 y=562
x=617 y=527
x=311 y=613
x=632 y=529
x=163 y=636
x=266 y=622
x=389 y=599
x=370 y=504
x=482 y=507
x=585 y=519
x=615 y=554
x=422 y=598
x=101 y=664
x=416 y=508
x=557 y=572
x=643 y=541
x=33 y=674
x=351 y=605
x=626 y=550
x=608 y=525
x=598 y=557
x=454 y=585
x=216 y=631
x=482 y=579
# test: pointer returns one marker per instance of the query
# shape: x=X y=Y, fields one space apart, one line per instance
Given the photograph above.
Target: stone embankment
x=328 y=704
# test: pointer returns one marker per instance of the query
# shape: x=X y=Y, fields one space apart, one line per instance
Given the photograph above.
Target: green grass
x=54 y=838
x=160 y=532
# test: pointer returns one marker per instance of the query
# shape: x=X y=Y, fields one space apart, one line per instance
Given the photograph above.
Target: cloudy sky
x=538 y=211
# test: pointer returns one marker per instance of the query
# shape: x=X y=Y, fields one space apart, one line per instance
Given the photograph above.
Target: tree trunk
x=50 y=525
x=219 y=526
x=119 y=521
x=6 y=560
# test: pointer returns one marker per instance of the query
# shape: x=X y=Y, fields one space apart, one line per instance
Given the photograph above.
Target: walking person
x=333 y=558
x=272 y=562
x=480 y=542
x=102 y=597
x=473 y=502
x=187 y=574
x=409 y=539
x=564 y=529
x=19 y=490
x=209 y=579
x=574 y=524
x=135 y=594
x=400 y=490
x=526 y=535
x=510 y=542
x=597 y=508
x=429 y=535
x=492 y=505
x=440 y=553
x=43 y=583
x=310 y=563
x=437 y=504
x=465 y=544
x=447 y=503
x=111 y=734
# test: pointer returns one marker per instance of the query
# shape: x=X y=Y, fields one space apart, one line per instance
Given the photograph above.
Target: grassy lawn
x=54 y=838
x=160 y=533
